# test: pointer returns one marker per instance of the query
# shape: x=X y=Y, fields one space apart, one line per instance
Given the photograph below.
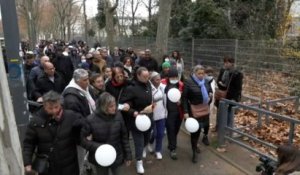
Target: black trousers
x=203 y=124
x=173 y=125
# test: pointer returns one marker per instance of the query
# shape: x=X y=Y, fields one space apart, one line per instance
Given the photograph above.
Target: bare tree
x=85 y=21
x=109 y=20
x=63 y=10
x=150 y=5
x=122 y=16
x=134 y=6
x=31 y=10
x=283 y=9
x=164 y=14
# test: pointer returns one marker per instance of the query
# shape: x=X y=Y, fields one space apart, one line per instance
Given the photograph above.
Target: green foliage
x=100 y=17
x=91 y=33
x=254 y=19
x=179 y=17
x=206 y=20
x=148 y=29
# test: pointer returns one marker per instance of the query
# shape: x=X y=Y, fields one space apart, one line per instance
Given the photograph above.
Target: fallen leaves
x=274 y=131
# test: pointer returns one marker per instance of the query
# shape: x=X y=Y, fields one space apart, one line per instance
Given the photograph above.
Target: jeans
x=140 y=139
x=173 y=125
x=158 y=134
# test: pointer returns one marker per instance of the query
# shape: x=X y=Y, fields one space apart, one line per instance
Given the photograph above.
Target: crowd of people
x=92 y=97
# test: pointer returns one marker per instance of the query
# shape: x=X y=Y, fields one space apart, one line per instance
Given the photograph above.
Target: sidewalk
x=209 y=163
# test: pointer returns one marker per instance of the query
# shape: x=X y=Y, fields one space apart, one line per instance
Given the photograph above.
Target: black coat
x=151 y=64
x=44 y=85
x=138 y=95
x=95 y=93
x=106 y=129
x=115 y=90
x=192 y=94
x=76 y=101
x=64 y=66
x=45 y=133
x=235 y=86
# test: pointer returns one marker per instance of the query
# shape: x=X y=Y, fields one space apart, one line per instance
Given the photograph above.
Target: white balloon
x=174 y=95
x=105 y=155
x=142 y=122
x=191 y=125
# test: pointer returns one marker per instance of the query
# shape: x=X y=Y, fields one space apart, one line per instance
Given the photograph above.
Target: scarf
x=86 y=93
x=116 y=84
x=204 y=92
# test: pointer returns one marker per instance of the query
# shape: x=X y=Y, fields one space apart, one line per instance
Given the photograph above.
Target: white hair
x=80 y=74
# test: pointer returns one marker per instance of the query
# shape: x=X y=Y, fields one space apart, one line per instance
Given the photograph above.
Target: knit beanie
x=166 y=65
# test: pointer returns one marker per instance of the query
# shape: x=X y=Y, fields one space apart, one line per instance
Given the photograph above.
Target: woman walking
x=196 y=99
x=106 y=126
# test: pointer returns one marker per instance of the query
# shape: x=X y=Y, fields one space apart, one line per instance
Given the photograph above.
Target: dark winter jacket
x=44 y=85
x=171 y=106
x=115 y=90
x=45 y=134
x=192 y=94
x=151 y=64
x=76 y=101
x=235 y=86
x=35 y=73
x=64 y=66
x=138 y=95
x=95 y=93
x=106 y=129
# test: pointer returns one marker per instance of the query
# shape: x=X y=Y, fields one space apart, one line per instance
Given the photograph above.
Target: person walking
x=196 y=98
x=139 y=97
x=159 y=113
x=106 y=126
x=51 y=138
x=175 y=111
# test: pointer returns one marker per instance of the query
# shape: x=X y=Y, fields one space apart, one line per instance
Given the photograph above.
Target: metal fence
x=268 y=73
x=226 y=126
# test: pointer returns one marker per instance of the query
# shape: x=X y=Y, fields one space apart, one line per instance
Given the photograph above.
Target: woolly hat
x=166 y=65
x=173 y=73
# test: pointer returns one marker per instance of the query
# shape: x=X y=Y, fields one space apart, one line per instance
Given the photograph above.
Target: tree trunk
x=85 y=22
x=109 y=26
x=31 y=17
x=163 y=27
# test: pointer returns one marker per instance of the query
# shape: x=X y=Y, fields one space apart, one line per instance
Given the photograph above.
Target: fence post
x=193 y=50
x=291 y=133
x=236 y=51
x=222 y=122
x=297 y=104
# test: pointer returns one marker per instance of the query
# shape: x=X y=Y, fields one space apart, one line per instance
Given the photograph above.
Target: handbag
x=220 y=94
x=199 y=110
x=41 y=164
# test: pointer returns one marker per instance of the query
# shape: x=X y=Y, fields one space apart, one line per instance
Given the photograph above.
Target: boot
x=139 y=167
x=205 y=140
x=195 y=157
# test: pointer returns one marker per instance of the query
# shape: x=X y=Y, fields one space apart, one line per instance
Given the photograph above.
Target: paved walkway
x=209 y=162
